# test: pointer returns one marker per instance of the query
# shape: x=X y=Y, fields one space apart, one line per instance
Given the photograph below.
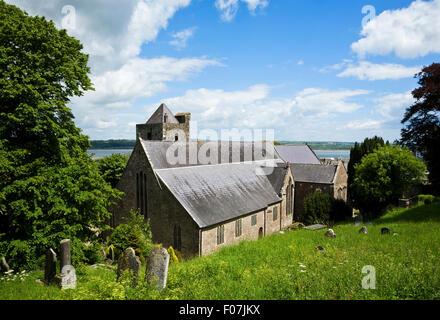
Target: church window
x=220 y=234
x=177 y=238
x=254 y=220
x=238 y=228
x=275 y=213
x=176 y=137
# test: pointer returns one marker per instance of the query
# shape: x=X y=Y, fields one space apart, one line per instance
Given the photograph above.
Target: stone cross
x=50 y=270
x=129 y=261
x=65 y=257
x=157 y=267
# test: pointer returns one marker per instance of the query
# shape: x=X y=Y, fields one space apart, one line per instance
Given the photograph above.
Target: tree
x=356 y=155
x=112 y=167
x=49 y=188
x=383 y=175
x=421 y=133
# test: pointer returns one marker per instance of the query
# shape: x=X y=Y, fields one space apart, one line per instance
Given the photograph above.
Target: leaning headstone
x=50 y=270
x=330 y=233
x=157 y=267
x=363 y=230
x=67 y=278
x=129 y=261
x=5 y=266
x=385 y=231
x=65 y=257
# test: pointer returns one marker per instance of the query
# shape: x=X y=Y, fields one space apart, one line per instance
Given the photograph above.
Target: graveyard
x=295 y=264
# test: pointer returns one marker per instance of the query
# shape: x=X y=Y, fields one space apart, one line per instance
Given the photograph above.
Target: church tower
x=164 y=126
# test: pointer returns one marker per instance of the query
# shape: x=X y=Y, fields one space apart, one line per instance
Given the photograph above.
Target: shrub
x=135 y=233
x=426 y=198
x=340 y=211
x=173 y=256
x=20 y=255
x=317 y=207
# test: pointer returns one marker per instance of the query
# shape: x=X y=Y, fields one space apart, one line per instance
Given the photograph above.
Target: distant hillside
x=321 y=145
x=112 y=144
x=317 y=145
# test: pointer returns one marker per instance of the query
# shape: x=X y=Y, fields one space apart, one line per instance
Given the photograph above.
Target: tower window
x=165 y=118
x=176 y=137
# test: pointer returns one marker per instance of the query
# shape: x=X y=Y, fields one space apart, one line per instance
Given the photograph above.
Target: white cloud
x=254 y=108
x=392 y=106
x=366 y=124
x=300 y=62
x=112 y=31
x=182 y=37
x=229 y=8
x=365 y=70
x=326 y=101
x=409 y=32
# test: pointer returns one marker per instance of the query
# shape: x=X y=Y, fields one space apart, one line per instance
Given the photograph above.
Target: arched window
x=177 y=238
x=176 y=137
x=141 y=192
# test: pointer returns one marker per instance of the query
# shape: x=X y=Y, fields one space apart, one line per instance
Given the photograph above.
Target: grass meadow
x=284 y=267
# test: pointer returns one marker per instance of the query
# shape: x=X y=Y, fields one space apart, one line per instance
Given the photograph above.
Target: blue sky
x=309 y=70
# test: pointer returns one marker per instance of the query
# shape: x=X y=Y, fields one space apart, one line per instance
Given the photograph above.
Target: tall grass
x=287 y=266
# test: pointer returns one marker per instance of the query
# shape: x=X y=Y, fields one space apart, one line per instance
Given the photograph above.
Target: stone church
x=200 y=197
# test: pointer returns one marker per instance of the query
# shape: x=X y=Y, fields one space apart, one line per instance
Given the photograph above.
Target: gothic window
x=275 y=213
x=238 y=228
x=253 y=220
x=220 y=234
x=177 y=238
x=176 y=137
x=141 y=192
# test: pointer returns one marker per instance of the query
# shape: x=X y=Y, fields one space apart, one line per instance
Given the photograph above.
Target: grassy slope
x=407 y=266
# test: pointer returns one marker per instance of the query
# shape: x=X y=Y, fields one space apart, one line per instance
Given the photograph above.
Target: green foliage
x=112 y=167
x=356 y=154
x=172 y=253
x=287 y=267
x=340 y=211
x=421 y=133
x=383 y=176
x=135 y=233
x=50 y=189
x=317 y=207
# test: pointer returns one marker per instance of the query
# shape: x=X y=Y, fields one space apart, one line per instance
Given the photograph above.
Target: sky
x=315 y=70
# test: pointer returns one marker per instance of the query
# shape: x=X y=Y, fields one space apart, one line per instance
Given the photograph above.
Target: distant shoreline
x=129 y=144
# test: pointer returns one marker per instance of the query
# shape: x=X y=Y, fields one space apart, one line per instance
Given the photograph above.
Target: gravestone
x=157 y=267
x=129 y=261
x=67 y=278
x=50 y=270
x=111 y=254
x=385 y=231
x=320 y=249
x=363 y=230
x=5 y=266
x=315 y=227
x=65 y=257
x=330 y=233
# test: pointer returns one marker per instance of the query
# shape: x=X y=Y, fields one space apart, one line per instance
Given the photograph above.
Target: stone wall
x=164 y=212
x=340 y=182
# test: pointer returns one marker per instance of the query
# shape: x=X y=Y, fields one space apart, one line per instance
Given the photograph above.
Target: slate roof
x=297 y=154
x=276 y=178
x=158 y=115
x=213 y=194
x=313 y=173
x=228 y=152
